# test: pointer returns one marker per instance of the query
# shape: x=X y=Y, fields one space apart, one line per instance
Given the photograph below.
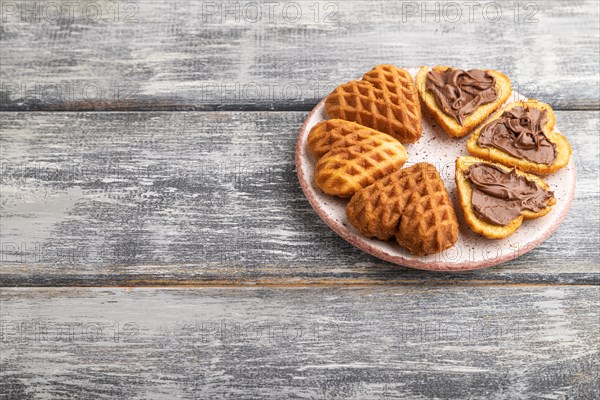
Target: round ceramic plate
x=471 y=251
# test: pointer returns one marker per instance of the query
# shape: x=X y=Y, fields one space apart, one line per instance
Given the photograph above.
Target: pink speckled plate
x=471 y=251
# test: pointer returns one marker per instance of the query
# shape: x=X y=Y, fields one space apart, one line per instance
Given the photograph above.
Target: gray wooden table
x=156 y=243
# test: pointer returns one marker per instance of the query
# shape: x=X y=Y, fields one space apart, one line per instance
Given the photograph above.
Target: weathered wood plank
x=213 y=198
x=197 y=55
x=320 y=343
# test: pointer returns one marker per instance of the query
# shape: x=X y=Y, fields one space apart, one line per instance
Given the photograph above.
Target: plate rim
x=415 y=263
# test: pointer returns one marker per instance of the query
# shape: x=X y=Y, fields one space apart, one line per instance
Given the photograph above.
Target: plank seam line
x=306 y=286
x=222 y=110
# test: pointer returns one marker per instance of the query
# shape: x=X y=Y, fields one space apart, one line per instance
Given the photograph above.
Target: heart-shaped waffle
x=356 y=161
x=488 y=151
x=502 y=91
x=465 y=195
x=385 y=99
x=336 y=133
x=411 y=204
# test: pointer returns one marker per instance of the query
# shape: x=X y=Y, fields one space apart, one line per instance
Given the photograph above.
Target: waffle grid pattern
x=412 y=205
x=385 y=99
x=336 y=133
x=354 y=163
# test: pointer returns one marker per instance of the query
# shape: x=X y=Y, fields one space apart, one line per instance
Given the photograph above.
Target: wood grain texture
x=188 y=55
x=372 y=343
x=200 y=198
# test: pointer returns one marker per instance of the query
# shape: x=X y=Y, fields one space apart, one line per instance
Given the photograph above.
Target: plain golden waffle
x=356 y=161
x=336 y=132
x=562 y=146
x=411 y=205
x=385 y=99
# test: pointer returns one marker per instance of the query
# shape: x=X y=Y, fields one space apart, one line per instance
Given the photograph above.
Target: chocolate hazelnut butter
x=519 y=132
x=500 y=196
x=459 y=93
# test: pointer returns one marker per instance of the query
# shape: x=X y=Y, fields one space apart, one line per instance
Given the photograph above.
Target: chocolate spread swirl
x=459 y=93
x=499 y=196
x=519 y=132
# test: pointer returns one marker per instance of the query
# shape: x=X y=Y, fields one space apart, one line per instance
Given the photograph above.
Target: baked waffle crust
x=385 y=99
x=336 y=133
x=411 y=205
x=358 y=160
